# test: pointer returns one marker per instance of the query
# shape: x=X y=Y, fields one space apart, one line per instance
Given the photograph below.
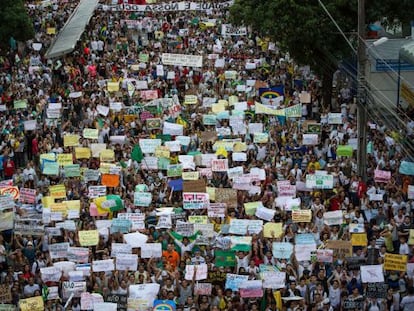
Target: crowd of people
x=173 y=161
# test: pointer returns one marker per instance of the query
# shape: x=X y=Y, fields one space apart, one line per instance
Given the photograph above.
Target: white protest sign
x=372 y=274
x=310 y=139
x=120 y=248
x=127 y=262
x=333 y=218
x=151 y=250
x=200 y=274
x=273 y=279
x=173 y=129
x=182 y=60
x=103 y=265
x=135 y=239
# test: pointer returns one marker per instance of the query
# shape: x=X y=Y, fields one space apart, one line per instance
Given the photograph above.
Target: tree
x=304 y=29
x=15 y=22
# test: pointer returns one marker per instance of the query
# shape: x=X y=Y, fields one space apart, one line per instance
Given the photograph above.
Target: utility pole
x=361 y=95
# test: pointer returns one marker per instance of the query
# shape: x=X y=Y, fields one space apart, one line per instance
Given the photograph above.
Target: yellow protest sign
x=251 y=207
x=71 y=140
x=90 y=133
x=57 y=192
x=239 y=147
x=59 y=208
x=411 y=237
x=105 y=167
x=300 y=215
x=233 y=99
x=51 y=30
x=190 y=99
x=395 y=262
x=73 y=205
x=227 y=145
x=262 y=109
x=82 y=153
x=191 y=175
x=89 y=237
x=47 y=201
x=162 y=152
x=113 y=86
x=107 y=155
x=64 y=159
x=211 y=193
x=31 y=304
x=359 y=239
x=196 y=219
x=219 y=107
x=271 y=229
x=223 y=102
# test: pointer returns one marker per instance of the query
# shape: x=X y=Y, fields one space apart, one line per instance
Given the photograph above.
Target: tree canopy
x=15 y=21
x=303 y=28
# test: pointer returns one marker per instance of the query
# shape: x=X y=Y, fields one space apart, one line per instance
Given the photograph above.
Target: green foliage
x=302 y=27
x=15 y=21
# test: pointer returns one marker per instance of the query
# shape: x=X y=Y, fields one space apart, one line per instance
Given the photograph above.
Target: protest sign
x=31 y=304
x=225 y=195
x=195 y=200
x=182 y=60
x=71 y=140
x=120 y=300
x=359 y=239
x=126 y=262
x=151 y=250
x=225 y=258
x=58 y=250
x=202 y=289
x=272 y=229
x=200 y=272
x=395 y=262
x=310 y=139
x=324 y=255
x=372 y=274
x=377 y=290
x=78 y=254
x=285 y=188
x=334 y=118
x=142 y=198
x=135 y=239
x=351 y=304
x=5 y=293
x=233 y=281
x=282 y=250
x=382 y=176
x=333 y=218
x=301 y=215
x=273 y=279
x=103 y=265
x=318 y=181
x=75 y=288
x=251 y=289
x=27 y=195
x=88 y=237
x=50 y=274
x=230 y=30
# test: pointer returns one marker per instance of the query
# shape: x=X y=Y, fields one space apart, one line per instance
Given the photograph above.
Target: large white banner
x=182 y=60
x=230 y=30
x=168 y=6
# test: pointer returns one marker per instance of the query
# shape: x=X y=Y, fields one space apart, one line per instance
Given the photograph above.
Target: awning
x=407 y=52
x=71 y=32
